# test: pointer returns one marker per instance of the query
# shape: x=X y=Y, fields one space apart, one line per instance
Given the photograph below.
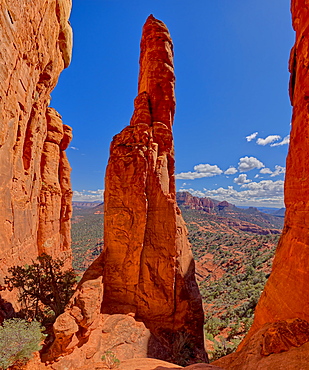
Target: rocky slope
x=145 y=274
x=35 y=191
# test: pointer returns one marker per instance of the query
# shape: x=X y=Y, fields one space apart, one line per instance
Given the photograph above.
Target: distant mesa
x=243 y=219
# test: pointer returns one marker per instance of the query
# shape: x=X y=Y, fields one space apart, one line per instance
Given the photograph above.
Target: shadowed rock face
x=146 y=270
x=35 y=191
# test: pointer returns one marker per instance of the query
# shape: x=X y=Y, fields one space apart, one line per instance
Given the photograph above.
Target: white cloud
x=200 y=171
x=265 y=188
x=241 y=179
x=268 y=140
x=212 y=170
x=73 y=147
x=88 y=195
x=252 y=136
x=249 y=163
x=278 y=171
x=266 y=193
x=286 y=140
x=266 y=171
x=230 y=171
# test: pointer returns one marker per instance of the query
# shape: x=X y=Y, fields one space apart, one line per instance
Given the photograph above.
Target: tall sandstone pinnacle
x=35 y=191
x=145 y=274
x=149 y=268
x=280 y=326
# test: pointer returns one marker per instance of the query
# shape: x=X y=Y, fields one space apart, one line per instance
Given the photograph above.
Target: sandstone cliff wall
x=35 y=191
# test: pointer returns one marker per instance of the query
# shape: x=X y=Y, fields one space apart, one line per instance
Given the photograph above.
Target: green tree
x=18 y=340
x=43 y=283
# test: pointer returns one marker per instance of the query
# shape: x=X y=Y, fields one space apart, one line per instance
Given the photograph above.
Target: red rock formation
x=147 y=265
x=188 y=200
x=286 y=294
x=35 y=193
x=149 y=269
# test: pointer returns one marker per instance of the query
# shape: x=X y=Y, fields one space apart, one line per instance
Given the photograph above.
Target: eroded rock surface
x=280 y=345
x=278 y=337
x=35 y=191
x=146 y=270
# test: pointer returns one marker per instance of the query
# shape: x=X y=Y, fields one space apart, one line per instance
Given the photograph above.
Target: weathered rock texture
x=146 y=268
x=286 y=294
x=35 y=192
x=149 y=269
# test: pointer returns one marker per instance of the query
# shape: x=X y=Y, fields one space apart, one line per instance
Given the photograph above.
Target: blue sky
x=231 y=61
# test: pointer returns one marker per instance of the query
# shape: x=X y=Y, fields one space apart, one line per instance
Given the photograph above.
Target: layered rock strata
x=35 y=191
x=146 y=270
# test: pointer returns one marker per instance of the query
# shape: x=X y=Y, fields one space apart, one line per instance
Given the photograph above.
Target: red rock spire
x=156 y=75
x=147 y=264
x=148 y=267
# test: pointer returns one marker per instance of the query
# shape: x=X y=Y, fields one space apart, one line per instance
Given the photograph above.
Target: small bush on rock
x=19 y=339
x=110 y=360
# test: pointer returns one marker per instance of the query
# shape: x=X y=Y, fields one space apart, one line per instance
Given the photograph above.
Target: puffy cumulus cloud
x=211 y=170
x=285 y=141
x=266 y=193
x=88 y=195
x=200 y=171
x=252 y=136
x=230 y=171
x=266 y=171
x=268 y=140
x=241 y=179
x=265 y=187
x=278 y=171
x=249 y=163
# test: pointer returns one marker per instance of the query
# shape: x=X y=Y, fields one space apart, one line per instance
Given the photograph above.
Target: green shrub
x=19 y=339
x=110 y=359
x=44 y=286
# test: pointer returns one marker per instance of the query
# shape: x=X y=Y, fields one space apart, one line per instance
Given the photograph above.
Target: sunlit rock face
x=145 y=274
x=35 y=191
x=286 y=294
x=148 y=268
